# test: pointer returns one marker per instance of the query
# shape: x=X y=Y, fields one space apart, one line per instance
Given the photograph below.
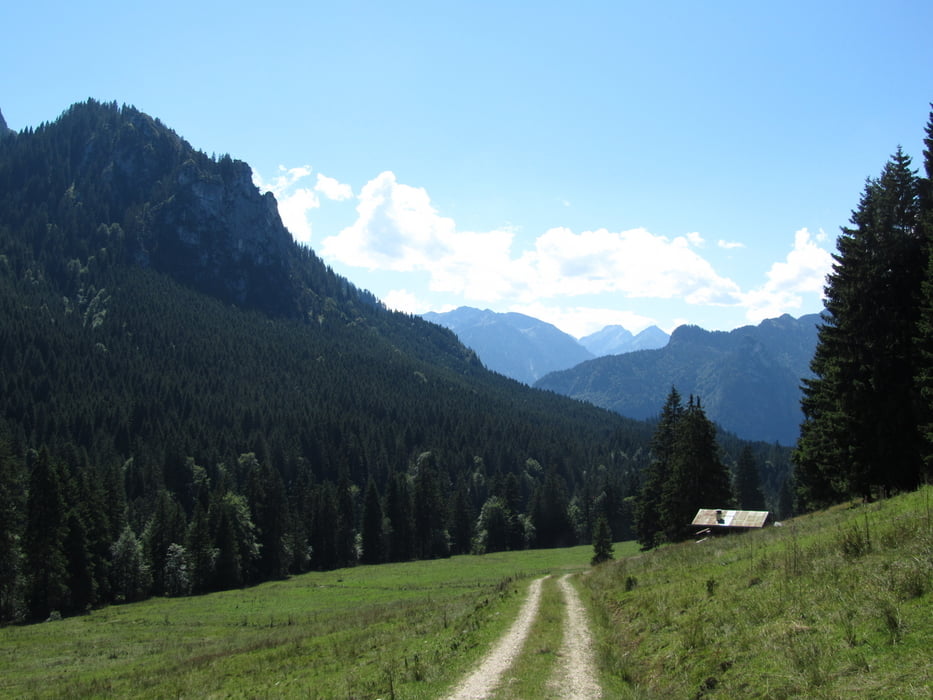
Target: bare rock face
x=218 y=231
x=206 y=224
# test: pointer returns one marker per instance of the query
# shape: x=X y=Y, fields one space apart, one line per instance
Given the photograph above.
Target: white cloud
x=803 y=272
x=398 y=229
x=636 y=263
x=332 y=189
x=294 y=202
x=729 y=245
x=403 y=300
x=695 y=239
x=580 y=321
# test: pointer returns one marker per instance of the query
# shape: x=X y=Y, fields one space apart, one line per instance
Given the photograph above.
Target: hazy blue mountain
x=518 y=346
x=748 y=379
x=616 y=340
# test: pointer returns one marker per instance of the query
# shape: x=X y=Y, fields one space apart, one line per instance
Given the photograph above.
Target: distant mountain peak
x=518 y=346
x=616 y=340
x=749 y=378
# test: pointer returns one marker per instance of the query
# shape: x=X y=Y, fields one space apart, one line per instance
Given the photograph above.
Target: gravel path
x=575 y=676
x=483 y=681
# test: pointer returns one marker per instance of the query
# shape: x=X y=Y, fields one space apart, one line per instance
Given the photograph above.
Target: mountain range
x=526 y=348
x=190 y=400
x=748 y=379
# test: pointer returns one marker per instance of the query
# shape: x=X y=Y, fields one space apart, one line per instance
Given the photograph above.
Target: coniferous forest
x=191 y=401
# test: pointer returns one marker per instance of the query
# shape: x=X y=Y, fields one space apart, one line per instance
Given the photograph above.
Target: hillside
x=748 y=379
x=833 y=604
x=178 y=376
x=516 y=345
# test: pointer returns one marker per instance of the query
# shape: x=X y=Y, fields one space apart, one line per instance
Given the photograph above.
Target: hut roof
x=712 y=517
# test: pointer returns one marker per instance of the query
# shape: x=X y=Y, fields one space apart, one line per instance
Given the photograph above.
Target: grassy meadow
x=836 y=604
x=396 y=630
x=831 y=605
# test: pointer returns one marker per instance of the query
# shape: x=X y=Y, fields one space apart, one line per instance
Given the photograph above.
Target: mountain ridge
x=526 y=348
x=724 y=368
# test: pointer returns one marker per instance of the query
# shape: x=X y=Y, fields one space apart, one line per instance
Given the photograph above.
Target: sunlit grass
x=833 y=604
x=404 y=630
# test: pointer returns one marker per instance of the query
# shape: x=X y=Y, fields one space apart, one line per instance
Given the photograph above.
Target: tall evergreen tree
x=372 y=535
x=925 y=323
x=12 y=507
x=602 y=542
x=399 y=516
x=648 y=524
x=698 y=478
x=747 y=489
x=860 y=410
x=44 y=539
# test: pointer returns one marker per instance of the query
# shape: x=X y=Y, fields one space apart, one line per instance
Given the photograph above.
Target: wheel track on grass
x=574 y=676
x=484 y=680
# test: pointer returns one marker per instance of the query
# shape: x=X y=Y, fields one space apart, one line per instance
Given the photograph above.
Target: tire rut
x=486 y=678
x=576 y=676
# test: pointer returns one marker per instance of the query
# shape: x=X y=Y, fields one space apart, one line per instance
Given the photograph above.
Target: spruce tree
x=44 y=539
x=372 y=537
x=698 y=477
x=602 y=542
x=12 y=502
x=747 y=484
x=647 y=509
x=925 y=323
x=860 y=409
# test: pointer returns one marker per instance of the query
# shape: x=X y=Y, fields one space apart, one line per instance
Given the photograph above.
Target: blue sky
x=587 y=163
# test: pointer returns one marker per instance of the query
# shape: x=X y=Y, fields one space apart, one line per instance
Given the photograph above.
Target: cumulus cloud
x=332 y=189
x=580 y=321
x=296 y=200
x=802 y=272
x=405 y=301
x=398 y=229
x=636 y=263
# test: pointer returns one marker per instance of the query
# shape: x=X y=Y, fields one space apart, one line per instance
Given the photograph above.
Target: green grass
x=834 y=604
x=403 y=630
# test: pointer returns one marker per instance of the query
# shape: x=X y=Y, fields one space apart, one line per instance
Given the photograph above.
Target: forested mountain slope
x=749 y=378
x=189 y=400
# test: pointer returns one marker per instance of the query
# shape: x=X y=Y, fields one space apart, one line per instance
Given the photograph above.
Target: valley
x=829 y=604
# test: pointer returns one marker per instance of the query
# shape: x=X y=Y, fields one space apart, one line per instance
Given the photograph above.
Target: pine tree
x=925 y=324
x=860 y=410
x=602 y=542
x=399 y=516
x=647 y=509
x=747 y=484
x=372 y=536
x=698 y=478
x=12 y=502
x=44 y=539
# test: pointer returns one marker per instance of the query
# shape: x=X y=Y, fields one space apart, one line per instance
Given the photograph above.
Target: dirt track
x=483 y=681
x=574 y=676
